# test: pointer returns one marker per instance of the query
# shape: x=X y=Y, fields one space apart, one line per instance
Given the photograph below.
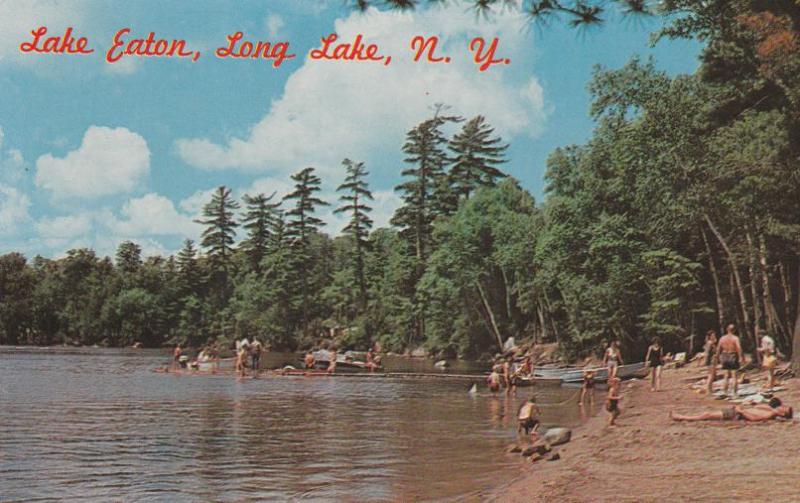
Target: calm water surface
x=100 y=425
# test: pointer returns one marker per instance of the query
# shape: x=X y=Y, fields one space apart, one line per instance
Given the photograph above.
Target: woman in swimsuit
x=612 y=400
x=655 y=360
x=612 y=359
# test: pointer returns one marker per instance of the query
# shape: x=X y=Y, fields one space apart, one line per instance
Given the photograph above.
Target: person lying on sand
x=764 y=412
x=527 y=418
x=612 y=400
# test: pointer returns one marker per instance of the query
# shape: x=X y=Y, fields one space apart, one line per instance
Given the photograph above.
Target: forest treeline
x=681 y=214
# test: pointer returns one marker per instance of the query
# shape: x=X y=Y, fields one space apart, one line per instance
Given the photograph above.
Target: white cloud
x=13 y=210
x=152 y=215
x=67 y=226
x=330 y=110
x=109 y=161
x=274 y=23
x=19 y=17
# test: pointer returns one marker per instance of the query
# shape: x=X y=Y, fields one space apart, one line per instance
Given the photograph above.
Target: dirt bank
x=648 y=457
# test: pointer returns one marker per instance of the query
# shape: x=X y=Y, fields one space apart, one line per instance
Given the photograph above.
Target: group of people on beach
x=726 y=354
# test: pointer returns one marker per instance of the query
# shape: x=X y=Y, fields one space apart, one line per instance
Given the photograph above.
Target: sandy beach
x=648 y=457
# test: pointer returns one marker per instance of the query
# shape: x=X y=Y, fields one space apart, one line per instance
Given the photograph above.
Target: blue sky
x=92 y=154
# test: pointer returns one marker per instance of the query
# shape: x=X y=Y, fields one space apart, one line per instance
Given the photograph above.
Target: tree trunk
x=542 y=322
x=787 y=296
x=508 y=294
x=796 y=334
x=774 y=325
x=736 y=278
x=713 y=268
x=491 y=314
x=751 y=267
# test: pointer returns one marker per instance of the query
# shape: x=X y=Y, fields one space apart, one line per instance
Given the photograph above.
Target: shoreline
x=648 y=457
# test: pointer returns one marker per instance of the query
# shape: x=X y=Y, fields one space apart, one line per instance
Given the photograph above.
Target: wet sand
x=648 y=457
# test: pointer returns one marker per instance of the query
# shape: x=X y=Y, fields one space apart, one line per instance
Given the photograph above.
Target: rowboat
x=553 y=372
x=601 y=373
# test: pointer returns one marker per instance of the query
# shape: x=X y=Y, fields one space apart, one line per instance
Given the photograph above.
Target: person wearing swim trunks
x=332 y=362
x=494 y=380
x=612 y=400
x=176 y=356
x=527 y=418
x=255 y=356
x=309 y=360
x=612 y=358
x=655 y=360
x=729 y=350
x=588 y=385
x=763 y=412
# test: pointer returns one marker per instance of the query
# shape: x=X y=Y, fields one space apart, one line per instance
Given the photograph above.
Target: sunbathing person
x=764 y=412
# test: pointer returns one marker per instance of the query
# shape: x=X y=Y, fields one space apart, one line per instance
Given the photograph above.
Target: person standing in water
x=612 y=359
x=588 y=386
x=309 y=360
x=528 y=418
x=176 y=356
x=255 y=356
x=332 y=362
x=655 y=360
x=730 y=357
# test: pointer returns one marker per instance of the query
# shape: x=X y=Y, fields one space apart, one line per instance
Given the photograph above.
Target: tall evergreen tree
x=188 y=270
x=477 y=152
x=218 y=237
x=129 y=257
x=425 y=153
x=300 y=227
x=356 y=193
x=259 y=221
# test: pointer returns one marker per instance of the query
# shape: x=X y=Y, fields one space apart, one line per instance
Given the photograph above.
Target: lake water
x=101 y=425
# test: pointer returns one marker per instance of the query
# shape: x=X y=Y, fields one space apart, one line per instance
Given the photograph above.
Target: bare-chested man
x=764 y=412
x=730 y=355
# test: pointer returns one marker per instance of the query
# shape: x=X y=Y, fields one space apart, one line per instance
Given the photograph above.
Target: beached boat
x=601 y=373
x=553 y=372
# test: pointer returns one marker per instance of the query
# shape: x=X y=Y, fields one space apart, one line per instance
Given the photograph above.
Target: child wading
x=528 y=418
x=612 y=400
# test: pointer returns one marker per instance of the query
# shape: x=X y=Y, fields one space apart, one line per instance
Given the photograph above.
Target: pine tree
x=259 y=221
x=477 y=152
x=129 y=257
x=424 y=150
x=301 y=225
x=187 y=268
x=356 y=192
x=218 y=237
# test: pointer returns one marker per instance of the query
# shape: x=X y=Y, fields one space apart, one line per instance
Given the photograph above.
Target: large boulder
x=556 y=436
